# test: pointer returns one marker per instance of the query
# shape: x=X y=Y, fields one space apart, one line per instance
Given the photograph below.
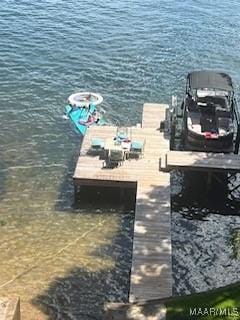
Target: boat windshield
x=218 y=102
x=211 y=92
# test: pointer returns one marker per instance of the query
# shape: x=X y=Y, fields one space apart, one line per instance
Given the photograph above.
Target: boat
x=82 y=111
x=207 y=120
x=209 y=112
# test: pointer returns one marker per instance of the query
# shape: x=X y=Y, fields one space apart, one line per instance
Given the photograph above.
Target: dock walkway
x=192 y=160
x=151 y=272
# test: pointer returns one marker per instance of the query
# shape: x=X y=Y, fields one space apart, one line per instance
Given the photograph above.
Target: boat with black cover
x=210 y=113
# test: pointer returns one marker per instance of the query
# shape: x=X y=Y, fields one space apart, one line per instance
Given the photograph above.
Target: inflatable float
x=81 y=110
x=83 y=99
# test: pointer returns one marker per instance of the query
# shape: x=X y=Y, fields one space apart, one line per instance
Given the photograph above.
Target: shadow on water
x=81 y=294
x=65 y=200
x=197 y=201
x=122 y=199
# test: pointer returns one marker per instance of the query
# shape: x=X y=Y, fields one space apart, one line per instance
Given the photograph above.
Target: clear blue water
x=129 y=51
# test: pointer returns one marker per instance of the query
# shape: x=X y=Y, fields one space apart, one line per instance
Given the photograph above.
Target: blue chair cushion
x=137 y=145
x=122 y=136
x=96 y=142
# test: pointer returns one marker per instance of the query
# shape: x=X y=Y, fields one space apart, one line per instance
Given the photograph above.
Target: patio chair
x=97 y=146
x=122 y=134
x=114 y=158
x=137 y=149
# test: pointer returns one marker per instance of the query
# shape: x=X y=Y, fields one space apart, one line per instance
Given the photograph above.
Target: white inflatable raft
x=83 y=99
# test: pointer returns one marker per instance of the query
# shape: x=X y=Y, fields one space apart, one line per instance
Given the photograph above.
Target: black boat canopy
x=210 y=80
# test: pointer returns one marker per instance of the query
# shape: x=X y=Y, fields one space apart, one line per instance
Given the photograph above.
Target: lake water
x=65 y=263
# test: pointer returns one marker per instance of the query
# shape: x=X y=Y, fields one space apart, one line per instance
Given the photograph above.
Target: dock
x=10 y=309
x=201 y=161
x=151 y=271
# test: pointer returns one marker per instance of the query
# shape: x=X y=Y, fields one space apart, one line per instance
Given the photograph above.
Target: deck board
x=151 y=272
x=202 y=161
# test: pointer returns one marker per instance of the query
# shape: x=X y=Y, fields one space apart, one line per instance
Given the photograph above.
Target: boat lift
x=175 y=124
x=224 y=173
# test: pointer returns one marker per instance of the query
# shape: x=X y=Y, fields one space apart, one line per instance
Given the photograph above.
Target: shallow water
x=54 y=257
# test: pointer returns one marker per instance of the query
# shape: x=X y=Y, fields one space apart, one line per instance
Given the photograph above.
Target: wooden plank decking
x=201 y=161
x=10 y=309
x=90 y=167
x=153 y=114
x=150 y=310
x=151 y=272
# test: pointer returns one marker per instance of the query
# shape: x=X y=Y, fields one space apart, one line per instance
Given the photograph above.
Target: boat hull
x=196 y=142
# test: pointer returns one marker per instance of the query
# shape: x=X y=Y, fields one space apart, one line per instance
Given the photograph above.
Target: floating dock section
x=151 y=272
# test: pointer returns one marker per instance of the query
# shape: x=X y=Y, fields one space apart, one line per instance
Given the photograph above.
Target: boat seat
x=193 y=121
x=208 y=122
x=222 y=113
x=191 y=104
x=223 y=125
x=216 y=101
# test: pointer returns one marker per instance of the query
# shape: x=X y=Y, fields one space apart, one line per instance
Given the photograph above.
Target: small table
x=111 y=144
x=124 y=146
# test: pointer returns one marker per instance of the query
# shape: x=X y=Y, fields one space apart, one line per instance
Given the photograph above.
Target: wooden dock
x=202 y=161
x=151 y=272
x=10 y=309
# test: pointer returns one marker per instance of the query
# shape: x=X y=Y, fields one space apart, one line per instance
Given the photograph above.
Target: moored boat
x=209 y=114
